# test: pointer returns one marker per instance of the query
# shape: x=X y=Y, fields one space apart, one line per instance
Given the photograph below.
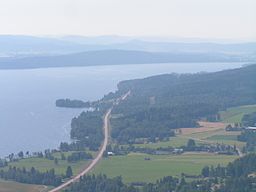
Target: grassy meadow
x=9 y=186
x=235 y=114
x=43 y=164
x=134 y=168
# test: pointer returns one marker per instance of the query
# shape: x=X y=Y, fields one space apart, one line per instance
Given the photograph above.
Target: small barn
x=110 y=153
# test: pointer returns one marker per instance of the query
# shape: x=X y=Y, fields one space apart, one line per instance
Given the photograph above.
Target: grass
x=43 y=164
x=223 y=137
x=133 y=167
x=9 y=186
x=226 y=139
x=174 y=142
x=235 y=114
x=210 y=136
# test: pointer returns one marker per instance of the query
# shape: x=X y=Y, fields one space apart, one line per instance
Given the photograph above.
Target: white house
x=110 y=153
x=251 y=128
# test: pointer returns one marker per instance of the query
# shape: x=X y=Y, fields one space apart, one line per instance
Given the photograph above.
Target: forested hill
x=160 y=103
x=232 y=87
x=114 y=57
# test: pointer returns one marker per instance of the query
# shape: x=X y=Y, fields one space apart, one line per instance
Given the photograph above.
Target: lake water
x=29 y=119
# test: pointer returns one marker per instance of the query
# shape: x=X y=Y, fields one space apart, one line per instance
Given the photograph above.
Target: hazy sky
x=176 y=18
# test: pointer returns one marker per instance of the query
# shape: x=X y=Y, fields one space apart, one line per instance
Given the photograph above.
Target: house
x=110 y=153
x=250 y=128
x=177 y=151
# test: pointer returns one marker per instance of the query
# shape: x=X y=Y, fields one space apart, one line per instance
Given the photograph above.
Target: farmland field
x=208 y=133
x=174 y=141
x=235 y=114
x=134 y=168
x=9 y=186
x=43 y=164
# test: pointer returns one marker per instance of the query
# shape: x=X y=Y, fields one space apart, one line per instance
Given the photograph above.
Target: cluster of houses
x=238 y=128
x=250 y=128
x=209 y=148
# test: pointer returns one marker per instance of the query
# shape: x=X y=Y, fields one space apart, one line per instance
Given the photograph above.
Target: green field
x=174 y=142
x=216 y=136
x=43 y=164
x=226 y=139
x=235 y=114
x=134 y=168
x=8 y=186
x=221 y=137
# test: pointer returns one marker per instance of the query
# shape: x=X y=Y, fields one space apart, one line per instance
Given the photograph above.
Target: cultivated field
x=211 y=132
x=43 y=164
x=208 y=132
x=8 y=186
x=205 y=127
x=174 y=141
x=134 y=168
x=235 y=114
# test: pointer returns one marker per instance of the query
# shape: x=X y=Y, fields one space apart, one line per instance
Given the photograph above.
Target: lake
x=29 y=119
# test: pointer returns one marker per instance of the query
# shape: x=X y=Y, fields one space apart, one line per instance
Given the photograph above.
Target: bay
x=29 y=120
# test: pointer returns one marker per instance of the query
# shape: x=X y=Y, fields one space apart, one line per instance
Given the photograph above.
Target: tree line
x=159 y=104
x=68 y=103
x=86 y=129
x=235 y=177
x=33 y=176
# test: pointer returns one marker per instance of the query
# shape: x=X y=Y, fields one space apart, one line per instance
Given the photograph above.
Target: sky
x=231 y=19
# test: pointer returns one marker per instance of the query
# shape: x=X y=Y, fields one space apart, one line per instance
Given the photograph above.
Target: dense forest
x=115 y=57
x=86 y=129
x=68 y=103
x=157 y=105
x=78 y=156
x=31 y=176
x=237 y=176
x=3 y=163
x=249 y=137
x=249 y=120
x=161 y=103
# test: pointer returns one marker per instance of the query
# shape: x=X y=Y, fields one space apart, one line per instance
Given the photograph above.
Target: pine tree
x=69 y=172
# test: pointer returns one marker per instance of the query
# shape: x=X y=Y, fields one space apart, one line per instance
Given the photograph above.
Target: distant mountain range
x=111 y=57
x=36 y=52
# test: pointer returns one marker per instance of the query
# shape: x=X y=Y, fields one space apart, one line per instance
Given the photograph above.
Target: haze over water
x=29 y=119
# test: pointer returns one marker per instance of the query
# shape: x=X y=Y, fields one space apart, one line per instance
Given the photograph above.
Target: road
x=101 y=151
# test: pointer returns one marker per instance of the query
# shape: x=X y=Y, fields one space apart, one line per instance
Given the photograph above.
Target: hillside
x=113 y=57
x=25 y=45
x=161 y=103
x=22 y=52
